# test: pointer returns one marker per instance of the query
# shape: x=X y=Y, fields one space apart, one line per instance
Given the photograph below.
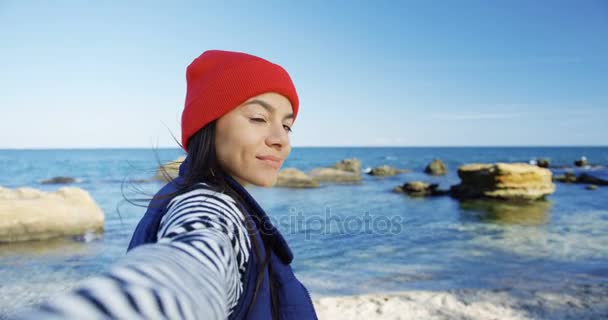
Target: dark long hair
x=203 y=166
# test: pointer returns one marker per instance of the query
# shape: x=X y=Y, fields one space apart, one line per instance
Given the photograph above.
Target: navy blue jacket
x=294 y=301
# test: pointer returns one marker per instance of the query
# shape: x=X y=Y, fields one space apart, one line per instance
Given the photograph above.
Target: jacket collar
x=264 y=224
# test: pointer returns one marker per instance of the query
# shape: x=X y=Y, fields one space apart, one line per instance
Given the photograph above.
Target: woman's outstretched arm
x=194 y=271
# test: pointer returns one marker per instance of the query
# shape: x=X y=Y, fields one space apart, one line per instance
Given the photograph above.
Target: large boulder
x=294 y=178
x=436 y=168
x=169 y=170
x=334 y=175
x=386 y=170
x=30 y=214
x=506 y=181
x=350 y=165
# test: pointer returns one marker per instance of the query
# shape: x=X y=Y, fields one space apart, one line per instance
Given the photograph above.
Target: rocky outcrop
x=349 y=165
x=436 y=168
x=169 y=170
x=30 y=214
x=344 y=171
x=334 y=175
x=420 y=189
x=505 y=181
x=294 y=178
x=385 y=170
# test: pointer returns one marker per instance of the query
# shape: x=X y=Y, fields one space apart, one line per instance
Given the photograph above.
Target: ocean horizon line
x=319 y=147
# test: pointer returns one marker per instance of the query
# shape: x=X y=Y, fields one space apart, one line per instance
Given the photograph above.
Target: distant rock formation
x=436 y=168
x=294 y=178
x=30 y=214
x=58 y=180
x=505 y=181
x=344 y=171
x=170 y=168
x=334 y=175
x=386 y=170
x=350 y=165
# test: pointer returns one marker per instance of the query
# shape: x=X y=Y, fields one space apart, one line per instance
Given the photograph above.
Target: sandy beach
x=566 y=302
x=576 y=302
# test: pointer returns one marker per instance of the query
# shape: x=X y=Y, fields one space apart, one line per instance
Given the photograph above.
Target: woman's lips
x=271 y=161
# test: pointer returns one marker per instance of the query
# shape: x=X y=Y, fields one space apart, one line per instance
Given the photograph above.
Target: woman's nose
x=278 y=136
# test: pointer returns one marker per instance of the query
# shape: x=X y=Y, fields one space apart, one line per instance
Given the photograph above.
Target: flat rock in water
x=386 y=170
x=505 y=181
x=294 y=178
x=334 y=175
x=30 y=214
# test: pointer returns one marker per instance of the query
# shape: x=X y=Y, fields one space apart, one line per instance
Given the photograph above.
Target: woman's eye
x=288 y=128
x=258 y=119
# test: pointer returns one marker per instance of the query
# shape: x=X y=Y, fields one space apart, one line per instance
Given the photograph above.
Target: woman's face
x=252 y=140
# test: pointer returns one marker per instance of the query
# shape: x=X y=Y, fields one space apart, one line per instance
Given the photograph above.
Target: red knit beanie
x=219 y=81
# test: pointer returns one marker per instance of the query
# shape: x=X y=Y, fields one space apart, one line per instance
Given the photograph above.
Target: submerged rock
x=386 y=170
x=591 y=187
x=508 y=212
x=30 y=214
x=58 y=180
x=596 y=178
x=505 y=181
x=436 y=168
x=590 y=178
x=542 y=162
x=581 y=162
x=567 y=177
x=294 y=178
x=169 y=170
x=420 y=189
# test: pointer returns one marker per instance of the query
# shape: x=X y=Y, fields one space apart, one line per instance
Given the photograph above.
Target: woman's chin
x=266 y=181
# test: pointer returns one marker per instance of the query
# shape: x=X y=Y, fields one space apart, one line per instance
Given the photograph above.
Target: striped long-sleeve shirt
x=194 y=271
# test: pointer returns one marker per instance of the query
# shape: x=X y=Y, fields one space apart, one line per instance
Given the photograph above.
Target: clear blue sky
x=88 y=74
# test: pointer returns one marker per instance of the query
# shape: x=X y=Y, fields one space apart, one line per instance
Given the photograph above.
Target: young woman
x=205 y=249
